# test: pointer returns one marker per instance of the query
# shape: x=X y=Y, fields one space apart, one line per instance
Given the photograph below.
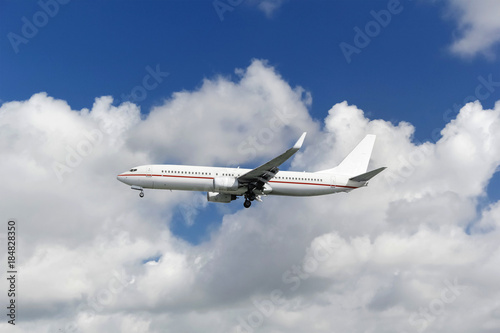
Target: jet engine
x=225 y=184
x=220 y=197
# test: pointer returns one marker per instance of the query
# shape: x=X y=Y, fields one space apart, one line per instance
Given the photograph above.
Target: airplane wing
x=266 y=171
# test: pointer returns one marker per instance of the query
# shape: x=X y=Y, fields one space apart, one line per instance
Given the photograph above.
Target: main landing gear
x=249 y=197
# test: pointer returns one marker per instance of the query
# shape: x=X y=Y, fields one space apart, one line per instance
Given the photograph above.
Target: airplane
x=224 y=185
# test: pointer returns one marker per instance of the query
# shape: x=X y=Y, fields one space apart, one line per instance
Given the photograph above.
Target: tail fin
x=356 y=163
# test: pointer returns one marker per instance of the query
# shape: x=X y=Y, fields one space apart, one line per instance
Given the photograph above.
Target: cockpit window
x=132 y=170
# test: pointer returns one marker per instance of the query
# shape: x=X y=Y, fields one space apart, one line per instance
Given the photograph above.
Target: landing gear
x=249 y=197
x=138 y=188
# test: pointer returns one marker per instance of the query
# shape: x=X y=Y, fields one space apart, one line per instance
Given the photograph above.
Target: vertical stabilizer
x=356 y=162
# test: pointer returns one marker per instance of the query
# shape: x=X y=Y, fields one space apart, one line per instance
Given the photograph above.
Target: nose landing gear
x=138 y=188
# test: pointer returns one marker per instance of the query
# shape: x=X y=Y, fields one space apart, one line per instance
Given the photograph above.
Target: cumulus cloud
x=229 y=122
x=413 y=251
x=478 y=26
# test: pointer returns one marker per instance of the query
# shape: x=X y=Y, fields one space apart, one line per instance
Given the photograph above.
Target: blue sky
x=102 y=48
x=417 y=250
x=407 y=72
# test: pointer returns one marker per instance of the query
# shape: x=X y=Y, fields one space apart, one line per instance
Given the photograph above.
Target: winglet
x=300 y=141
x=272 y=164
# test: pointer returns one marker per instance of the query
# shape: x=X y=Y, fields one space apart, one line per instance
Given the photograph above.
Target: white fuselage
x=200 y=178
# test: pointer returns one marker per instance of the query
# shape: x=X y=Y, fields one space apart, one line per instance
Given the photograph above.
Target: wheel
x=141 y=194
x=247 y=203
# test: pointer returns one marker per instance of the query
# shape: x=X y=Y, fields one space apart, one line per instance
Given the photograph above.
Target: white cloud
x=269 y=6
x=229 y=122
x=370 y=260
x=478 y=26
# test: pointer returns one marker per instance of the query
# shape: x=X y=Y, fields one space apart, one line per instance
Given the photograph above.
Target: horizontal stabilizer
x=364 y=177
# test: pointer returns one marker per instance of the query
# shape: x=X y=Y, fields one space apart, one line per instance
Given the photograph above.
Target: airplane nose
x=120 y=178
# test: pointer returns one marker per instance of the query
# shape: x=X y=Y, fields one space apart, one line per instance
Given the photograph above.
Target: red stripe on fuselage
x=271 y=181
x=151 y=175
x=281 y=182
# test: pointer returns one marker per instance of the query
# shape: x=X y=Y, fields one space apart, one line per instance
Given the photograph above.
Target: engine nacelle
x=220 y=197
x=225 y=184
x=267 y=188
